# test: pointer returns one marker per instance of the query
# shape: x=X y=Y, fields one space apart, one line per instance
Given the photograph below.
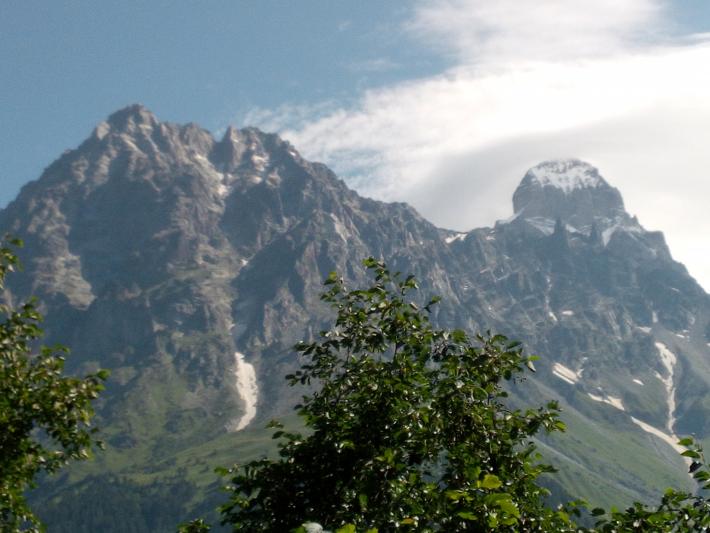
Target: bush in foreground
x=44 y=416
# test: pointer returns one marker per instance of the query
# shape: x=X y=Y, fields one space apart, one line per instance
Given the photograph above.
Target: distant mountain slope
x=189 y=266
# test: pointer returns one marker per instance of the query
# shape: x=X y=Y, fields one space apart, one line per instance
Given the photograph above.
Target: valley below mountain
x=189 y=266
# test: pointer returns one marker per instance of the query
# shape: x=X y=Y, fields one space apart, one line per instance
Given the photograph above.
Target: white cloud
x=532 y=81
x=508 y=30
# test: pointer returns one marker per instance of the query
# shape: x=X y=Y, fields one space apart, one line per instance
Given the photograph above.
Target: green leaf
x=362 y=499
x=454 y=495
x=509 y=507
x=491 y=482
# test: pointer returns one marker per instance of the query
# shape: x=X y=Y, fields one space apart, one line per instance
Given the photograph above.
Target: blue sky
x=66 y=65
x=441 y=103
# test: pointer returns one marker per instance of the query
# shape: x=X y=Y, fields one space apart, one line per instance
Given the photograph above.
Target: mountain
x=189 y=266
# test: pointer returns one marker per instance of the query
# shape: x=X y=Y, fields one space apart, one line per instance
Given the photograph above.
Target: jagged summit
x=134 y=114
x=570 y=190
x=135 y=140
x=133 y=122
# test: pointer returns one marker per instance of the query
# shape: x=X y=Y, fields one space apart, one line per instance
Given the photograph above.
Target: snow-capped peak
x=566 y=174
x=570 y=190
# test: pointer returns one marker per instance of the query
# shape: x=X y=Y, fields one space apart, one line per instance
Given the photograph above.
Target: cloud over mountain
x=606 y=81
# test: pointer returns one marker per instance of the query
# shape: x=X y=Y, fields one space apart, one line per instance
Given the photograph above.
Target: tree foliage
x=408 y=430
x=45 y=417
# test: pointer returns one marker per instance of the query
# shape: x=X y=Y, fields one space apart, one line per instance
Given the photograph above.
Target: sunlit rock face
x=189 y=266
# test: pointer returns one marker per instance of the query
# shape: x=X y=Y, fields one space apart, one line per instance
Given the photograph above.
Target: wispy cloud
x=380 y=64
x=510 y=30
x=603 y=80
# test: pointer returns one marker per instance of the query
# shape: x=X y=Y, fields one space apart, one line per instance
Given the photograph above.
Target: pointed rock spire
x=228 y=152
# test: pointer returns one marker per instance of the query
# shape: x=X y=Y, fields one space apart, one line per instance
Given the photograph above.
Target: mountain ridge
x=189 y=266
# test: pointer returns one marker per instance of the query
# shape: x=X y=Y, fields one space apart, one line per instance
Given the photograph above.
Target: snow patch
x=566 y=174
x=457 y=237
x=552 y=316
x=637 y=381
x=615 y=402
x=645 y=329
x=668 y=359
x=671 y=439
x=654 y=317
x=610 y=400
x=621 y=225
x=566 y=374
x=568 y=312
x=247 y=389
x=607 y=233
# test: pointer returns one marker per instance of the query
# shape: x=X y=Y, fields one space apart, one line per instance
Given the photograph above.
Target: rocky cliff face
x=189 y=266
x=568 y=189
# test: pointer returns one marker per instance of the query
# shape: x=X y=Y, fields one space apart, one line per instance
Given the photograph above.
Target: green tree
x=407 y=429
x=44 y=416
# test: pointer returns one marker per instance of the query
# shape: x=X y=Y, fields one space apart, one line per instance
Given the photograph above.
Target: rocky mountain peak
x=132 y=116
x=570 y=190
